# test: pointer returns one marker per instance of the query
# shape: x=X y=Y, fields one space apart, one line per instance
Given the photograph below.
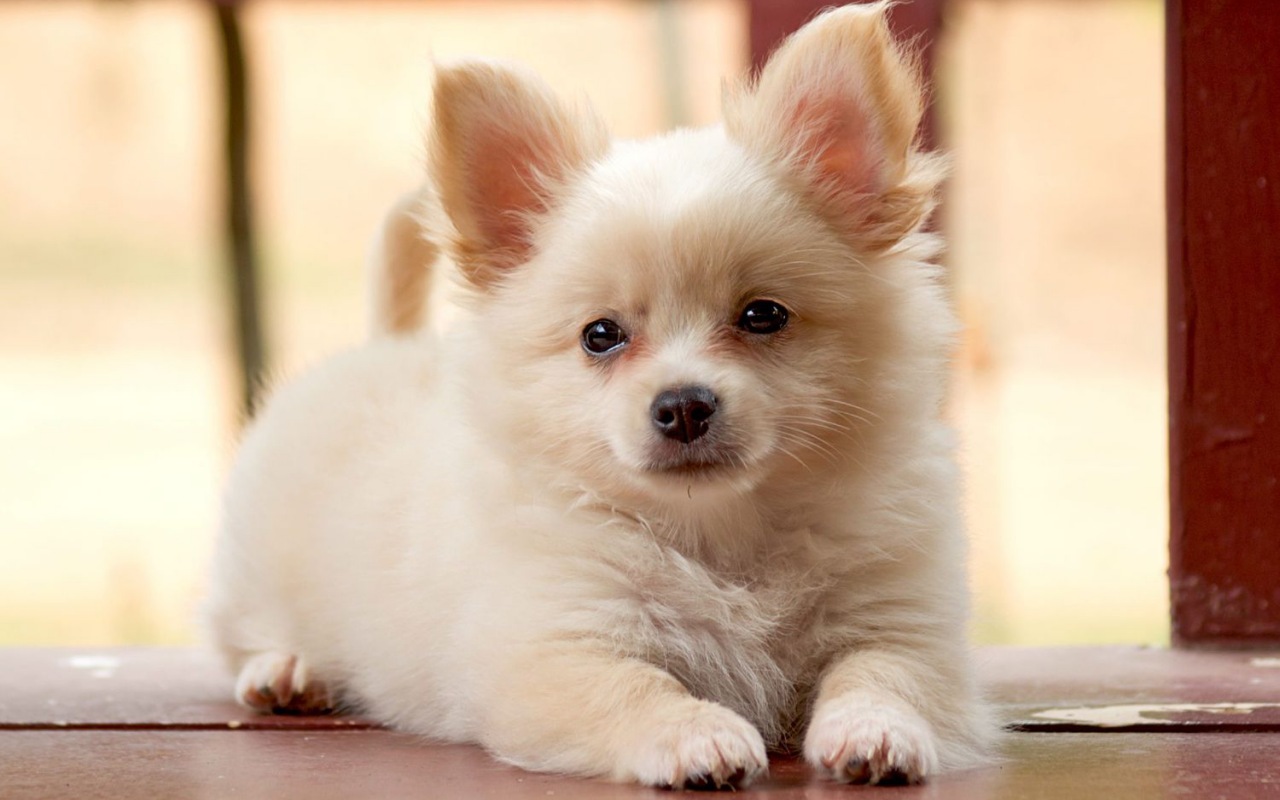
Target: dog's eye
x=602 y=336
x=763 y=316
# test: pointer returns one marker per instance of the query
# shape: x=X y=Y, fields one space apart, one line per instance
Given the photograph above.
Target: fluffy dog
x=675 y=488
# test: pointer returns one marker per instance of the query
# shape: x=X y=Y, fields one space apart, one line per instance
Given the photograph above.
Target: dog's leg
x=283 y=684
x=886 y=716
x=592 y=713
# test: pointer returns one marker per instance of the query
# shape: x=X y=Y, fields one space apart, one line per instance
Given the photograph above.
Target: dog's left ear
x=837 y=107
x=502 y=148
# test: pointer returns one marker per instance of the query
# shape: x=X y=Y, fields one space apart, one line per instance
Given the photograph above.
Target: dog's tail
x=400 y=265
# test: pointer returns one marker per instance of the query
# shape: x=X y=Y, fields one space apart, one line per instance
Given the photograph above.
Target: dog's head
x=702 y=310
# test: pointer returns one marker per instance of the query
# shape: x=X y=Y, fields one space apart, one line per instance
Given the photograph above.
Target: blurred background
x=118 y=384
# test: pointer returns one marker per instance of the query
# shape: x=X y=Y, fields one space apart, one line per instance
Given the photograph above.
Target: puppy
x=674 y=489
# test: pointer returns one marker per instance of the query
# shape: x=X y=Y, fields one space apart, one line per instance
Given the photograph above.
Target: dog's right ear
x=502 y=146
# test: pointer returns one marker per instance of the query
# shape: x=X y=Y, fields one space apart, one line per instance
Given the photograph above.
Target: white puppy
x=675 y=489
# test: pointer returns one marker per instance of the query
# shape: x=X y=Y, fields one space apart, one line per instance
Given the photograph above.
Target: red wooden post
x=772 y=20
x=1224 y=320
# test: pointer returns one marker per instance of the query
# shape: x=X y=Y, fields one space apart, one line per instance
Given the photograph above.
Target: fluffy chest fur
x=742 y=635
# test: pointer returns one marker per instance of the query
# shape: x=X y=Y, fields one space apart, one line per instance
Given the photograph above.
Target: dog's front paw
x=282 y=684
x=704 y=747
x=860 y=740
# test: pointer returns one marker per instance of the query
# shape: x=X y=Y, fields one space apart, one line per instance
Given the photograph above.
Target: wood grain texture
x=1224 y=320
x=180 y=689
x=282 y=765
x=158 y=722
x=1125 y=688
x=131 y=688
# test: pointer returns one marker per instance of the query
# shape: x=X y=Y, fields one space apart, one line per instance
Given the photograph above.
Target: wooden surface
x=1224 y=320
x=44 y=765
x=129 y=688
x=140 y=722
x=1133 y=689
x=187 y=689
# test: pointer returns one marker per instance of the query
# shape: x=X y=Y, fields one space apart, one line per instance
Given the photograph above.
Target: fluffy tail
x=400 y=266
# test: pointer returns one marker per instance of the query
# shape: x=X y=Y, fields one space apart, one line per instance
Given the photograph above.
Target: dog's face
x=693 y=312
x=685 y=322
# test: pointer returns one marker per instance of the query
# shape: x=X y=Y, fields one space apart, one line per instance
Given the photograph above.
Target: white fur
x=458 y=534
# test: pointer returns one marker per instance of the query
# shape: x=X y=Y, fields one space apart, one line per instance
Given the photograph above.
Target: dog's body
x=735 y=525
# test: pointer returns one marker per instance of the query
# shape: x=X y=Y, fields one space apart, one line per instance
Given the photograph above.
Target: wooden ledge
x=133 y=722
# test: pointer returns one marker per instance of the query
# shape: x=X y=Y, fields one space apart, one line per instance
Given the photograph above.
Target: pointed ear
x=501 y=148
x=837 y=107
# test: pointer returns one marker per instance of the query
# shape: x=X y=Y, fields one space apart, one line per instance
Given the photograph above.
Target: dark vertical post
x=1224 y=320
x=772 y=20
x=241 y=249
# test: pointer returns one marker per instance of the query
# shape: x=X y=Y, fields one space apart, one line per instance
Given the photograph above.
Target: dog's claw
x=705 y=782
x=278 y=683
x=860 y=771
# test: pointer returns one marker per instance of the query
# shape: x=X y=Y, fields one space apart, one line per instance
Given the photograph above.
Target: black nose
x=683 y=414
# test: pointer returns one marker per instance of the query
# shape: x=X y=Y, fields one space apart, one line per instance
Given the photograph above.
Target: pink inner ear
x=503 y=190
x=837 y=137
